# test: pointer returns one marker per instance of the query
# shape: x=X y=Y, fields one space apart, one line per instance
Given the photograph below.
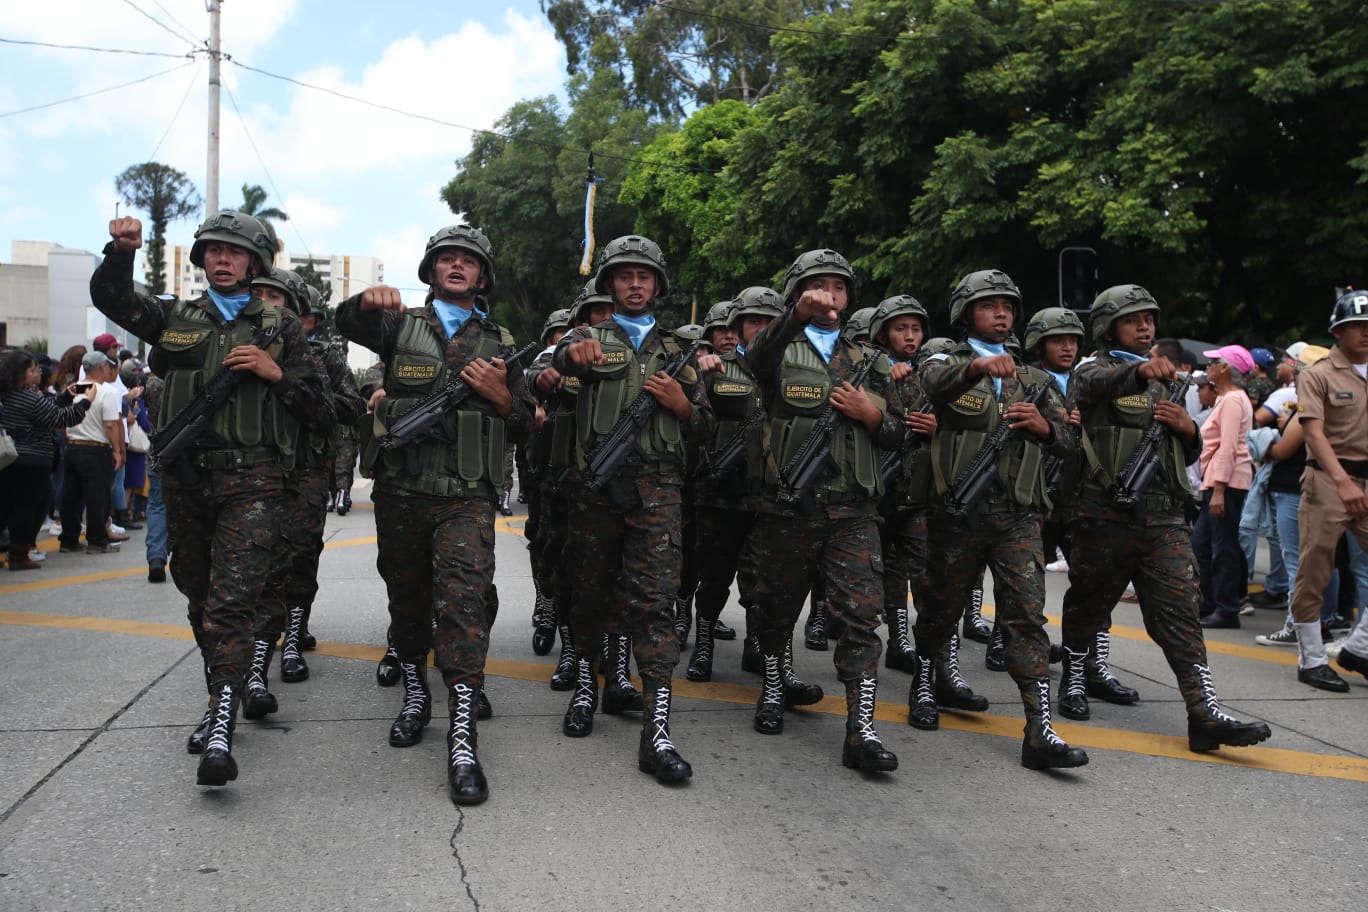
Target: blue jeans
x=156 y=520
x=1285 y=507
x=1220 y=560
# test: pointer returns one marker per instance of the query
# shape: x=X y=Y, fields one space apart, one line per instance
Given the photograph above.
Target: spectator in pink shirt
x=1227 y=472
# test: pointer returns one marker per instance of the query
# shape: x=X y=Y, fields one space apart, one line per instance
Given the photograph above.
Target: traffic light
x=1078 y=281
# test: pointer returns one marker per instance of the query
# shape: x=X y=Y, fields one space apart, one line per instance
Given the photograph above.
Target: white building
x=45 y=294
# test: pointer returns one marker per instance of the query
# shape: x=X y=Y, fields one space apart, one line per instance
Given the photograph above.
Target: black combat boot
x=722 y=632
x=619 y=696
x=387 y=672
x=195 y=743
x=952 y=691
x=656 y=753
x=750 y=656
x=701 y=662
x=464 y=775
x=563 y=678
x=416 y=713
x=343 y=502
x=796 y=691
x=217 y=766
x=1101 y=683
x=332 y=500
x=543 y=623
x=483 y=708
x=579 y=716
x=683 y=619
x=1208 y=726
x=505 y=508
x=1073 y=691
x=862 y=749
x=921 y=696
x=975 y=627
x=769 y=711
x=900 y=655
x=815 y=630
x=292 y=665
x=1042 y=748
x=995 y=657
x=259 y=701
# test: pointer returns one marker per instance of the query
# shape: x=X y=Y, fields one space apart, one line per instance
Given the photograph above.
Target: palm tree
x=253 y=203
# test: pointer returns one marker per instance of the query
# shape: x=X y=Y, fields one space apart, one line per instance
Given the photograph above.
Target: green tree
x=166 y=195
x=327 y=330
x=254 y=203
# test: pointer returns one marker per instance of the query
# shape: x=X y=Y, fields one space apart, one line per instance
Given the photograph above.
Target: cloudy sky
x=355 y=179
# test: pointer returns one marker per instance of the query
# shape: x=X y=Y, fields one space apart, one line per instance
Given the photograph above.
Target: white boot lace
x=290 y=648
x=462 y=750
x=223 y=720
x=1208 y=690
x=1076 y=686
x=864 y=711
x=584 y=686
x=772 y=692
x=415 y=696
x=660 y=722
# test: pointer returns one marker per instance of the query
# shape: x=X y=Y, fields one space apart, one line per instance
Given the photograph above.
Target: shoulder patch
x=938 y=356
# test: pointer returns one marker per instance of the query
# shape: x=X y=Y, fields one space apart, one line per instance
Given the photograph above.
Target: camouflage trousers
x=226 y=530
x=792 y=553
x=903 y=537
x=722 y=553
x=1155 y=554
x=958 y=550
x=624 y=565
x=301 y=538
x=436 y=556
x=343 y=462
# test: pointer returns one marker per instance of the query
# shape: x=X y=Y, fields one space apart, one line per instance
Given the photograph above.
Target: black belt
x=1355 y=467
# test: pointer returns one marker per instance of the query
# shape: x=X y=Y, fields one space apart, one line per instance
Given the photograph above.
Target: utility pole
x=211 y=192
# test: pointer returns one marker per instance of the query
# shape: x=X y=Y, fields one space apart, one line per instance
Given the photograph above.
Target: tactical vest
x=1112 y=431
x=734 y=398
x=252 y=427
x=805 y=383
x=315 y=450
x=911 y=488
x=562 y=443
x=963 y=426
x=470 y=460
x=610 y=387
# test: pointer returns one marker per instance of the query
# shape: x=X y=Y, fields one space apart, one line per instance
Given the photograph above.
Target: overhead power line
x=161 y=25
x=270 y=180
x=194 y=78
x=122 y=85
x=102 y=50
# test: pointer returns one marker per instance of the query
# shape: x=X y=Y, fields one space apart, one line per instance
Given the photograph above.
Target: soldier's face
x=225 y=265
x=272 y=296
x=457 y=274
x=993 y=318
x=1134 y=332
x=724 y=339
x=1061 y=352
x=554 y=336
x=633 y=289
x=310 y=323
x=597 y=313
x=751 y=324
x=1353 y=340
x=905 y=336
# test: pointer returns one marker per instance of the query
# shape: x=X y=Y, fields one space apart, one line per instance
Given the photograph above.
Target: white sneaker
x=1332 y=648
x=54 y=527
x=1246 y=609
x=36 y=555
x=1059 y=566
x=114 y=527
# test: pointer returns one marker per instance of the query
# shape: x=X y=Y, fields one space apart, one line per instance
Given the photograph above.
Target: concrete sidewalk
x=99 y=808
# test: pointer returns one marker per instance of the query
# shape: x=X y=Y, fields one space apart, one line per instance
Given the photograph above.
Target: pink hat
x=1237 y=356
x=103 y=341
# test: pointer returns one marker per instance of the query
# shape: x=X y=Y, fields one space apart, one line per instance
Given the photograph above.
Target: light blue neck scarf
x=636 y=328
x=229 y=305
x=453 y=316
x=1127 y=356
x=1061 y=380
x=824 y=340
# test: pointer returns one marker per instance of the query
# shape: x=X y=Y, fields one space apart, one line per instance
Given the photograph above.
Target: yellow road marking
x=1299 y=763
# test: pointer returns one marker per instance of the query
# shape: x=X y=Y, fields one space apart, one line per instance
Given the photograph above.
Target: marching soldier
x=802 y=363
x=625 y=538
x=434 y=502
x=975 y=386
x=224 y=499
x=1122 y=392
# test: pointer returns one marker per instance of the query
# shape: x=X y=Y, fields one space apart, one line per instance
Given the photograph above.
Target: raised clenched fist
x=126 y=232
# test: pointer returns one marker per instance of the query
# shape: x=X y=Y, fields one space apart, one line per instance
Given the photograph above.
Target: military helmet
x=1352 y=307
x=584 y=300
x=459 y=237
x=689 y=332
x=239 y=229
x=287 y=283
x=1116 y=302
x=315 y=303
x=816 y=263
x=719 y=316
x=759 y=301
x=898 y=306
x=631 y=249
x=557 y=319
x=986 y=283
x=1053 y=321
x=938 y=345
x=857 y=327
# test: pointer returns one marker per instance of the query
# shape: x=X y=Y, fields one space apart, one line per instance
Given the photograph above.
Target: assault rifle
x=184 y=432
x=728 y=456
x=426 y=419
x=1145 y=461
x=981 y=473
x=892 y=461
x=620 y=443
x=812 y=459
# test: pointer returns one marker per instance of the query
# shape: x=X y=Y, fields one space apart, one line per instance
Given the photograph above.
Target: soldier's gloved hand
x=669 y=394
x=489 y=380
x=382 y=297
x=126 y=232
x=585 y=352
x=256 y=360
x=993 y=366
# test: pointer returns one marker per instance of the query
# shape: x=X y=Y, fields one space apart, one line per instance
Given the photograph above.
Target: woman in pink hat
x=1227 y=472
